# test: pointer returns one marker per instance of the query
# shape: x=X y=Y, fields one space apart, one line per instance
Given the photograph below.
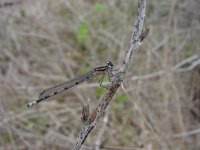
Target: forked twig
x=139 y=34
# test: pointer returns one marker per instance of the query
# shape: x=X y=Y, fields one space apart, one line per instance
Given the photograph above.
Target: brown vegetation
x=43 y=43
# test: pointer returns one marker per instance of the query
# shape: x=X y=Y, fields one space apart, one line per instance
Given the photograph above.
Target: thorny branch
x=137 y=37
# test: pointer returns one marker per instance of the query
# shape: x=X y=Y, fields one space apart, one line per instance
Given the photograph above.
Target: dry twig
x=191 y=62
x=11 y=3
x=137 y=37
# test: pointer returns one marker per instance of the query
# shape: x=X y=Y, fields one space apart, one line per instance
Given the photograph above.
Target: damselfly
x=45 y=94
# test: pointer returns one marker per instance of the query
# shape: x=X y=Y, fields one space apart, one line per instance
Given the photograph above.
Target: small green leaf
x=82 y=31
x=104 y=23
x=128 y=136
x=100 y=6
x=121 y=98
x=84 y=70
x=37 y=124
x=23 y=13
x=188 y=50
x=5 y=138
x=99 y=91
x=116 y=106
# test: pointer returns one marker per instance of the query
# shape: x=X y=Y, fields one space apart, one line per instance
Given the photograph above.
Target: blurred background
x=44 y=43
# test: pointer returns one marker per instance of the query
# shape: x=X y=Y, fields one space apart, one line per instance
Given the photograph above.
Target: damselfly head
x=109 y=64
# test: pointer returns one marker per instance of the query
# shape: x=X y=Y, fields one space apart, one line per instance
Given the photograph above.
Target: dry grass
x=43 y=43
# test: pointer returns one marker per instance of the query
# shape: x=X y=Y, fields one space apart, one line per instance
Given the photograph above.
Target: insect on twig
x=45 y=94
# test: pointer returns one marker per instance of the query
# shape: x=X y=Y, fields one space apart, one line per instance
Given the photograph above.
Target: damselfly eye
x=109 y=64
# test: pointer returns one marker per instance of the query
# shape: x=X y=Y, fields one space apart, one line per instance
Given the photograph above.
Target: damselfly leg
x=101 y=82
